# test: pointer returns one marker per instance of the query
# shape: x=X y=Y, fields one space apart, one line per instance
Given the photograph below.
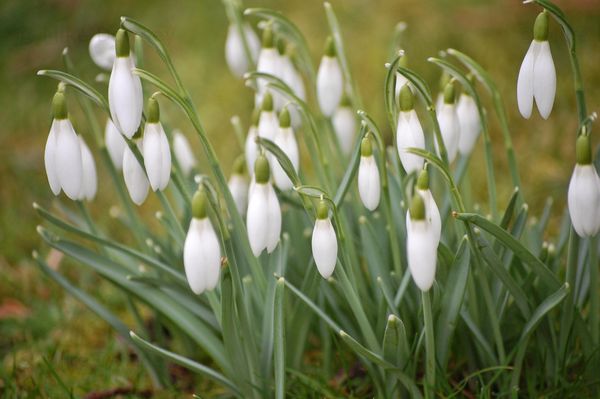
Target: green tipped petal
x=153 y=110
x=406 y=99
x=122 y=43
x=267 y=37
x=284 y=118
x=540 y=27
x=281 y=45
x=366 y=149
x=262 y=173
x=449 y=93
x=583 y=150
x=199 y=202
x=330 y=47
x=59 y=105
x=417 y=208
x=322 y=210
x=267 y=102
x=423 y=180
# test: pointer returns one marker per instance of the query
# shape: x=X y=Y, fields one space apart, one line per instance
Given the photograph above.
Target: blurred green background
x=47 y=337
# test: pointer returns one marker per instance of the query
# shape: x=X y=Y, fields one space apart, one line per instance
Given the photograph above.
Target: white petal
x=235 y=53
x=544 y=80
x=369 y=187
x=251 y=149
x=135 y=177
x=268 y=125
x=257 y=219
x=102 y=50
x=432 y=213
x=192 y=253
x=115 y=144
x=268 y=62
x=450 y=129
x=470 y=123
x=152 y=153
x=409 y=134
x=525 y=81
x=324 y=247
x=165 y=165
x=274 y=217
x=69 y=168
x=50 y=160
x=125 y=96
x=286 y=140
x=238 y=186
x=400 y=81
x=344 y=124
x=90 y=178
x=183 y=152
x=584 y=200
x=330 y=85
x=421 y=251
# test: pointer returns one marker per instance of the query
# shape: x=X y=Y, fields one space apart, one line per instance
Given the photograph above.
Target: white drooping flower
x=286 y=140
x=135 y=178
x=183 y=152
x=470 y=123
x=201 y=249
x=324 y=242
x=115 y=144
x=89 y=184
x=409 y=133
x=125 y=96
x=421 y=244
x=344 y=125
x=156 y=150
x=584 y=192
x=369 y=186
x=102 y=50
x=263 y=219
x=250 y=147
x=238 y=185
x=268 y=62
x=268 y=124
x=62 y=155
x=235 y=53
x=537 y=76
x=448 y=121
x=330 y=82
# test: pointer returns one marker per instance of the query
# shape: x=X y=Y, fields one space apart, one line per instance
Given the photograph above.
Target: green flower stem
x=594 y=297
x=429 y=346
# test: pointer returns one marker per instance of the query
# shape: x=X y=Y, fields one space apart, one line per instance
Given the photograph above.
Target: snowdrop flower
x=157 y=153
x=268 y=62
x=268 y=125
x=444 y=80
x=368 y=176
x=421 y=244
x=201 y=250
x=324 y=242
x=250 y=147
x=102 y=50
x=584 y=191
x=125 y=89
x=431 y=209
x=238 y=185
x=469 y=122
x=344 y=125
x=135 y=178
x=330 y=83
x=89 y=183
x=62 y=155
x=115 y=144
x=448 y=121
x=263 y=219
x=235 y=53
x=183 y=152
x=401 y=81
x=409 y=132
x=286 y=140
x=537 y=76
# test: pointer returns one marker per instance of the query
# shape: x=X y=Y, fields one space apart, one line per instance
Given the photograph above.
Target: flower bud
x=286 y=140
x=102 y=50
x=235 y=54
x=448 y=121
x=469 y=122
x=409 y=133
x=330 y=83
x=324 y=242
x=268 y=123
x=238 y=185
x=584 y=191
x=421 y=244
x=344 y=124
x=135 y=178
x=268 y=62
x=369 y=186
x=156 y=150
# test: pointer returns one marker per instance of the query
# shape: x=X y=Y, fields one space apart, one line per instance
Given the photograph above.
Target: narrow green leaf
x=80 y=85
x=279 y=326
x=282 y=158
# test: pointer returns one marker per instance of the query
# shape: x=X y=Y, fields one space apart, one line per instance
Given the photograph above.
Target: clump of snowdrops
x=365 y=249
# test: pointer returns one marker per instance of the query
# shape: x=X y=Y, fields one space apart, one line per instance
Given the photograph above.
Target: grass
x=48 y=350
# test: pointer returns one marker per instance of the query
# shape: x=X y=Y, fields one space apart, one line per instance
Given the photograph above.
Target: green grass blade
x=279 y=326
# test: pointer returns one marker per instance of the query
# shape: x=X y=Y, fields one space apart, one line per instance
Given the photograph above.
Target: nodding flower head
x=268 y=62
x=156 y=149
x=286 y=140
x=537 y=76
x=63 y=153
x=267 y=121
x=369 y=186
x=448 y=121
x=344 y=124
x=324 y=242
x=183 y=152
x=201 y=250
x=330 y=83
x=238 y=185
x=584 y=191
x=469 y=122
x=136 y=180
x=125 y=89
x=409 y=133
x=235 y=53
x=263 y=218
